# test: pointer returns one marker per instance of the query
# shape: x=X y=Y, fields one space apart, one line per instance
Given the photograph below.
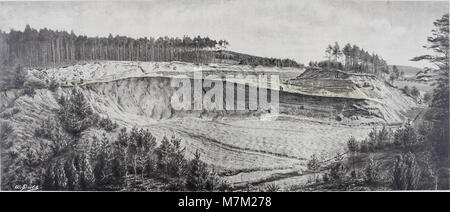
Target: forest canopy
x=45 y=47
x=352 y=58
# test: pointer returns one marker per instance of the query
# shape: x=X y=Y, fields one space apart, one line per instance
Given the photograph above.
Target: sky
x=294 y=29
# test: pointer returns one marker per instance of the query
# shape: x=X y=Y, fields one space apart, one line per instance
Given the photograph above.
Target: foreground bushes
x=401 y=160
x=129 y=161
x=406 y=173
x=406 y=138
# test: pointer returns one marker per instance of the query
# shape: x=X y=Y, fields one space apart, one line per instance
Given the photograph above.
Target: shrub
x=406 y=173
x=199 y=177
x=364 y=146
x=352 y=145
x=15 y=111
x=272 y=187
x=55 y=177
x=29 y=91
x=49 y=129
x=53 y=85
x=405 y=136
x=141 y=148
x=107 y=124
x=372 y=141
x=372 y=171
x=85 y=173
x=337 y=171
x=197 y=174
x=75 y=114
x=110 y=165
x=223 y=186
x=175 y=184
x=326 y=177
x=406 y=90
x=353 y=148
x=61 y=100
x=170 y=158
x=383 y=138
x=118 y=163
x=314 y=165
x=414 y=91
x=101 y=157
x=73 y=173
x=73 y=178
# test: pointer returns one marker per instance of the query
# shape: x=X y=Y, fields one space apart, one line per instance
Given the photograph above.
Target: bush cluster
x=128 y=161
x=76 y=115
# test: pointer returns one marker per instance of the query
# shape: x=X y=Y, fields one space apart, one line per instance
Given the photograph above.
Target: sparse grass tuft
x=272 y=187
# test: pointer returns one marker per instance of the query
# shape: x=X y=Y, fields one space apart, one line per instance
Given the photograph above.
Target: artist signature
x=26 y=187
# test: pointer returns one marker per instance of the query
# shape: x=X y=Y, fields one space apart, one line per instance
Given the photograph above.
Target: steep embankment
x=380 y=102
x=359 y=98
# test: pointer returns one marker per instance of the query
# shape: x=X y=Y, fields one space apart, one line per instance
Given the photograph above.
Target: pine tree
x=406 y=173
x=347 y=51
x=86 y=176
x=405 y=136
x=439 y=114
x=60 y=176
x=372 y=171
x=48 y=181
x=314 y=165
x=101 y=155
x=336 y=52
x=329 y=52
x=76 y=114
x=73 y=179
x=197 y=174
x=170 y=158
x=352 y=146
x=383 y=137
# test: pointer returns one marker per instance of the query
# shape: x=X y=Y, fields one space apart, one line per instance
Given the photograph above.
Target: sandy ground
x=257 y=151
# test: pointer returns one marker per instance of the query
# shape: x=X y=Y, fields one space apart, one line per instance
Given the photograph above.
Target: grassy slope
x=409 y=71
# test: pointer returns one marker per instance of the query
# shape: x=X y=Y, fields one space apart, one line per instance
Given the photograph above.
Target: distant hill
x=409 y=71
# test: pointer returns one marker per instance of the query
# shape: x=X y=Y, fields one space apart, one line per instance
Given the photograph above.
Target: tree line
x=245 y=59
x=352 y=58
x=45 y=47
